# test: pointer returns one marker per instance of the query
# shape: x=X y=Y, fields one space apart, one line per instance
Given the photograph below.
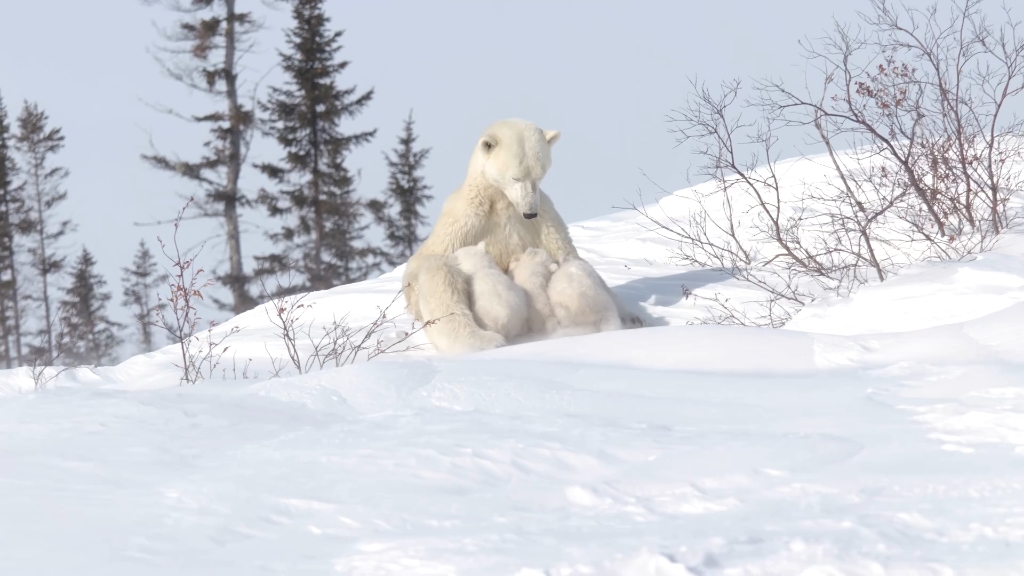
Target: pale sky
x=603 y=73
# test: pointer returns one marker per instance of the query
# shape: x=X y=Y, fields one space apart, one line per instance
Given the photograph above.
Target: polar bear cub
x=580 y=300
x=498 y=304
x=531 y=270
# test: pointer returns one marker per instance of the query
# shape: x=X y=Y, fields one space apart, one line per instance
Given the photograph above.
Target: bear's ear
x=488 y=143
x=482 y=245
x=553 y=266
x=552 y=136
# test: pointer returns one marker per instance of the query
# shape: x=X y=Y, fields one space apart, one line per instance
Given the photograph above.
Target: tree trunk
x=240 y=296
x=44 y=273
x=319 y=281
x=147 y=332
x=16 y=302
x=12 y=356
x=7 y=335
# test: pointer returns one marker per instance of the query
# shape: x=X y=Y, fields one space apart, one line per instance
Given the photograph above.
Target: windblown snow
x=879 y=434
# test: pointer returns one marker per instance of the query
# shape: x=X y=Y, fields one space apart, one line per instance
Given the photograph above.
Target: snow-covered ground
x=880 y=434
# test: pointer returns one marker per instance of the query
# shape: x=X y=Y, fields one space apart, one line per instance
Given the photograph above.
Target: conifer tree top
x=321 y=235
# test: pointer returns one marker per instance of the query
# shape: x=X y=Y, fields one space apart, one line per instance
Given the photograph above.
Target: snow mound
x=877 y=434
x=924 y=295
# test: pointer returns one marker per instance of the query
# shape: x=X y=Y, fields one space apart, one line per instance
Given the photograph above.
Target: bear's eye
x=488 y=145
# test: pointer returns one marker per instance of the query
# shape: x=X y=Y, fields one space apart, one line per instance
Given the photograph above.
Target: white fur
x=498 y=305
x=532 y=271
x=580 y=299
x=499 y=202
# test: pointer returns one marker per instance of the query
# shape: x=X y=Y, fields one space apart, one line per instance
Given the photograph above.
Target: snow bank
x=845 y=455
x=924 y=295
x=878 y=434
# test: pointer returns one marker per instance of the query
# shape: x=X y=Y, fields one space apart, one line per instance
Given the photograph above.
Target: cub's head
x=534 y=261
x=514 y=155
x=473 y=259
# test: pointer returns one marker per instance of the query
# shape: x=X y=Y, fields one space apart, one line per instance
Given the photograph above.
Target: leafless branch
x=921 y=159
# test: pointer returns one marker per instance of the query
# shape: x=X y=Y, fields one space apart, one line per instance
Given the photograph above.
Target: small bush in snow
x=201 y=352
x=917 y=100
x=337 y=343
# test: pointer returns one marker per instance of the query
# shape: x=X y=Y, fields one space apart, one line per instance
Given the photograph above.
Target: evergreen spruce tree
x=38 y=143
x=11 y=212
x=206 y=47
x=322 y=237
x=400 y=212
x=90 y=335
x=140 y=284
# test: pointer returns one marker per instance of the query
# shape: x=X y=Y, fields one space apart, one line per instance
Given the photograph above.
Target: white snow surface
x=880 y=434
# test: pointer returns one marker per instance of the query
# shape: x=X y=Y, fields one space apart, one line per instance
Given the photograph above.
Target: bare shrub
x=921 y=159
x=333 y=344
x=284 y=311
x=200 y=352
x=248 y=372
x=46 y=369
x=927 y=93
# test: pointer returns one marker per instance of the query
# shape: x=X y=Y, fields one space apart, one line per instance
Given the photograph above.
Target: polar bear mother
x=501 y=203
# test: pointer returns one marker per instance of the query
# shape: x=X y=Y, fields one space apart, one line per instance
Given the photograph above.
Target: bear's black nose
x=529 y=216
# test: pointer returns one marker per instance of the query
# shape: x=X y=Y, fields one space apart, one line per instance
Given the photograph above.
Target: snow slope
x=881 y=434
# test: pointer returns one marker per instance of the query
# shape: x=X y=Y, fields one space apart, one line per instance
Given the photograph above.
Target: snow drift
x=877 y=434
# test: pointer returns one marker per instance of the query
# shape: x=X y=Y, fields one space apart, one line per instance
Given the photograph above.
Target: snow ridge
x=877 y=434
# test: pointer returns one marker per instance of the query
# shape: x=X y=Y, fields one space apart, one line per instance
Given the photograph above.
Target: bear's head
x=474 y=258
x=514 y=155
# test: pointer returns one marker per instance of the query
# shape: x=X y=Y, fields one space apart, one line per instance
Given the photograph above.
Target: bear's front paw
x=631 y=321
x=489 y=340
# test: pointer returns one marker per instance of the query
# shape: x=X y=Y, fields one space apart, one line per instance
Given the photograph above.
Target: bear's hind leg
x=444 y=296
